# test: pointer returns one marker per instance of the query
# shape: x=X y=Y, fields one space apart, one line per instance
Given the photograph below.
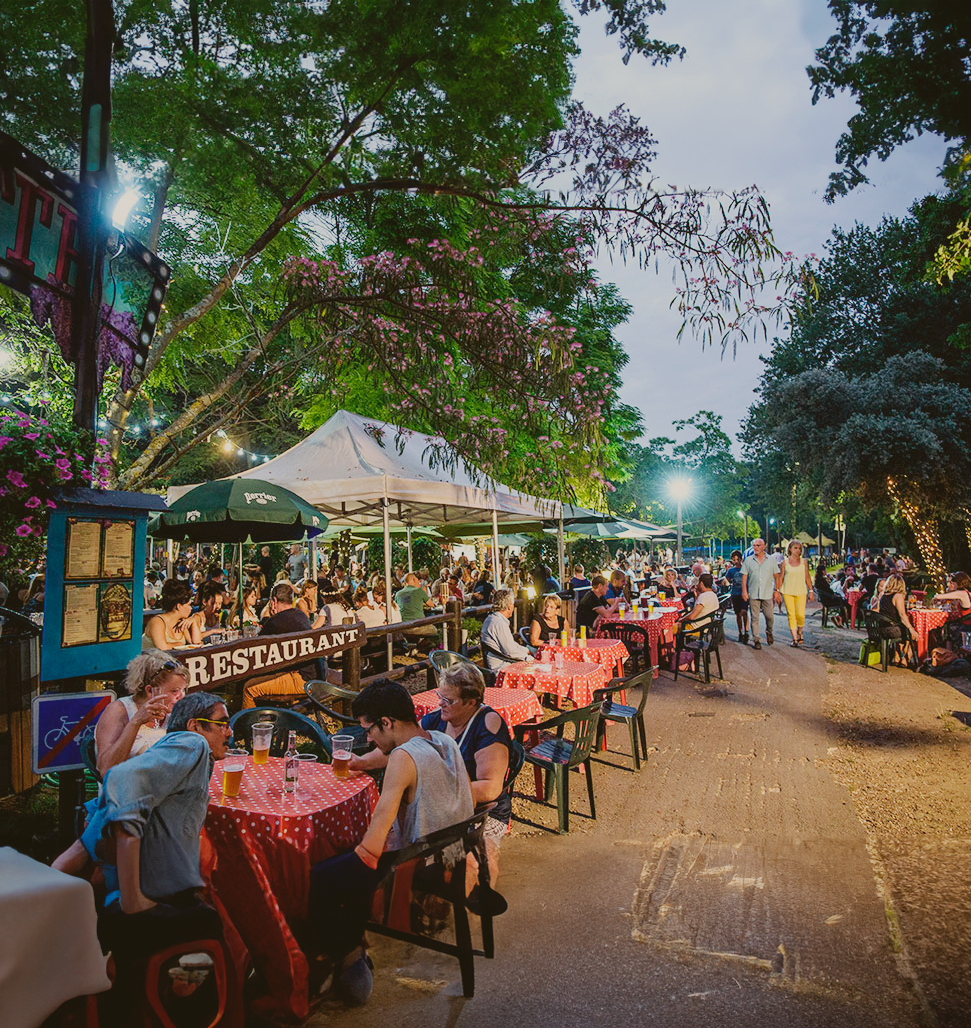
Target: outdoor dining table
x=574 y=681
x=658 y=625
x=853 y=597
x=609 y=652
x=49 y=952
x=265 y=843
x=514 y=706
x=924 y=620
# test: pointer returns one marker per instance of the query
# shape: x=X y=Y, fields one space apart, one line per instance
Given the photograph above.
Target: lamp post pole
x=680 y=560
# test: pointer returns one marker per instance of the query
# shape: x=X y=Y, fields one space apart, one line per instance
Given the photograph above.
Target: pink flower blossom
x=15 y=478
x=32 y=435
x=63 y=463
x=32 y=503
x=4 y=439
x=24 y=530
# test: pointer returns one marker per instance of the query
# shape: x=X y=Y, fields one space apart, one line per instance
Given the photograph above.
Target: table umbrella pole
x=496 y=570
x=239 y=587
x=560 y=549
x=387 y=578
x=411 y=565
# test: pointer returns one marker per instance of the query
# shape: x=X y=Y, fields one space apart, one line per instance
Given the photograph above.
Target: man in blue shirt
x=758 y=589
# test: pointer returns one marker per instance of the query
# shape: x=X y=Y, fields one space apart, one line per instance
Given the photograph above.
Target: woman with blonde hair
x=550 y=622
x=893 y=607
x=794 y=583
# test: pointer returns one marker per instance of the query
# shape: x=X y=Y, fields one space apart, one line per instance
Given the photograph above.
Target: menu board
x=99 y=609
x=114 y=612
x=83 y=554
x=80 y=626
x=118 y=553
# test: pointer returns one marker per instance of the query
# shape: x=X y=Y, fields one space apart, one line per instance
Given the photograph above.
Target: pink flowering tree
x=38 y=459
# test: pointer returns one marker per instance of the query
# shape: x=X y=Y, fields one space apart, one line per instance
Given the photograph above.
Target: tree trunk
x=926 y=531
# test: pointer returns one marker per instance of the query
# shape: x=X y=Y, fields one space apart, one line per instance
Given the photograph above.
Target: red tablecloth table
x=611 y=653
x=658 y=626
x=924 y=619
x=575 y=681
x=514 y=706
x=853 y=597
x=265 y=843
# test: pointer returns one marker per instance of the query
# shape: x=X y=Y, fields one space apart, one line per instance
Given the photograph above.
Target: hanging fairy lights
x=925 y=532
x=228 y=448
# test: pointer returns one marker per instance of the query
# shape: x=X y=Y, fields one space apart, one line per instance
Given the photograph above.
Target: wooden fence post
x=351 y=678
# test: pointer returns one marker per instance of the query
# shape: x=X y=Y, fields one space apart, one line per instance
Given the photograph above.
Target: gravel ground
x=904 y=750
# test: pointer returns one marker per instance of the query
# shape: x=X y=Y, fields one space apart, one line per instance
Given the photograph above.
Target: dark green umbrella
x=238 y=510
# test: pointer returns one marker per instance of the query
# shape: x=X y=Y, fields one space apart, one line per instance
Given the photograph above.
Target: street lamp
x=744 y=517
x=680 y=490
x=768 y=521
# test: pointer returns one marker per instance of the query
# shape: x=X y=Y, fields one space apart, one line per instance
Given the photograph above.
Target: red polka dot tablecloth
x=514 y=706
x=575 y=681
x=265 y=843
x=611 y=653
x=658 y=625
x=924 y=619
x=853 y=597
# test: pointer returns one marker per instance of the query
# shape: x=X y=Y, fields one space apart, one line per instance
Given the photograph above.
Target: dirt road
x=755 y=871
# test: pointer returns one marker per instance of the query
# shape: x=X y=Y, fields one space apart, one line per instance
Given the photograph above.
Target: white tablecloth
x=49 y=948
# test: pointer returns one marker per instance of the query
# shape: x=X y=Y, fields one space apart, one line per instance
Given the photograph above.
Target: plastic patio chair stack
x=702 y=641
x=435 y=865
x=558 y=756
x=635 y=638
x=283 y=721
x=632 y=716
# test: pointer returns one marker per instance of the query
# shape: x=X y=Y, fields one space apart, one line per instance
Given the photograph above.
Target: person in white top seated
x=496 y=639
x=706 y=603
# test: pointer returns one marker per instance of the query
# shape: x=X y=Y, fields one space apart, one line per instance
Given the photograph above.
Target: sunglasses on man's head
x=222 y=722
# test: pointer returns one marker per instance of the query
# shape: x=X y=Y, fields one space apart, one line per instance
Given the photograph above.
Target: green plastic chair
x=633 y=716
x=557 y=756
x=283 y=721
x=325 y=698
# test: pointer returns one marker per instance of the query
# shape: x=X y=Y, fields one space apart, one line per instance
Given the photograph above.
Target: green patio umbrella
x=238 y=510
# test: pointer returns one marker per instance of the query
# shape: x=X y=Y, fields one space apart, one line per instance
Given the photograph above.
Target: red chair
x=158 y=1015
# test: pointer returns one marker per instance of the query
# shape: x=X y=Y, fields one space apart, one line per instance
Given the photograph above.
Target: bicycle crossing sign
x=58 y=721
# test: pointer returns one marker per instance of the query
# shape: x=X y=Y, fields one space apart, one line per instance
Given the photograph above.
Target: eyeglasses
x=444 y=701
x=222 y=722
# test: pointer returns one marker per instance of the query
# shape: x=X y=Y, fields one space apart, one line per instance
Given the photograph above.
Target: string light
x=227 y=446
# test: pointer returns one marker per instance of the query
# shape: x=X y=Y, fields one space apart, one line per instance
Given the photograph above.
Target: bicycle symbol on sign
x=55 y=735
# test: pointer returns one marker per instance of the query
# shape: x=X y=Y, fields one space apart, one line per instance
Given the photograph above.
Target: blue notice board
x=59 y=720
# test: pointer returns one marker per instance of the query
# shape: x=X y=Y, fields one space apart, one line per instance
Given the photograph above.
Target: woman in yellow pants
x=794 y=583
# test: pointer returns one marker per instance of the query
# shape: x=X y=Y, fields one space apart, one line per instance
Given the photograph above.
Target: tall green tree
x=254 y=127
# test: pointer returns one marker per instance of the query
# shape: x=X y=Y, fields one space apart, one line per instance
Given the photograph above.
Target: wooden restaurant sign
x=213 y=666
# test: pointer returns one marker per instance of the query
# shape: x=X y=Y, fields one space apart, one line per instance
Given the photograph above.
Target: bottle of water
x=291 y=766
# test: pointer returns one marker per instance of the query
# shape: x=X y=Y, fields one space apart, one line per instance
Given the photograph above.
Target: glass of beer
x=233 y=764
x=342 y=747
x=262 y=736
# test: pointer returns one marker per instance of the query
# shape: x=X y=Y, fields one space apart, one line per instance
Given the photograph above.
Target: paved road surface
x=727 y=884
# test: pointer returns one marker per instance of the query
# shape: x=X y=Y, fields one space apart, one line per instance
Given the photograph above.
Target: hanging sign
x=39 y=257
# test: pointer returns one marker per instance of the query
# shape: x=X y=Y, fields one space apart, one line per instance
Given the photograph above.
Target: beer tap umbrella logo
x=234 y=510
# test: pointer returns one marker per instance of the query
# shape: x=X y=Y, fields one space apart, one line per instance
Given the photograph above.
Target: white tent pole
x=239 y=586
x=496 y=570
x=313 y=559
x=411 y=565
x=387 y=576
x=560 y=551
x=170 y=558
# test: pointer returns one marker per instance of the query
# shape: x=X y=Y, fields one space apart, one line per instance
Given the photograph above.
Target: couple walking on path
x=764 y=580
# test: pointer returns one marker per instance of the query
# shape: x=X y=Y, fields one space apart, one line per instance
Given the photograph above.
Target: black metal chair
x=633 y=716
x=283 y=721
x=435 y=865
x=887 y=637
x=701 y=639
x=635 y=638
x=557 y=756
x=522 y=634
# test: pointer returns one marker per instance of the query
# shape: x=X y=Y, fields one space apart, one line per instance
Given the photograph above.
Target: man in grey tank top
x=425 y=788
